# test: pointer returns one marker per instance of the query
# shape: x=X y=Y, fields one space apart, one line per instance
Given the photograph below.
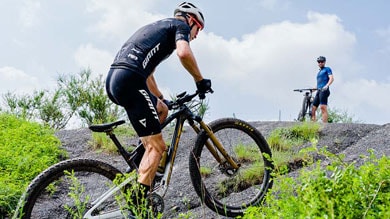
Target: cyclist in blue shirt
x=324 y=80
x=130 y=82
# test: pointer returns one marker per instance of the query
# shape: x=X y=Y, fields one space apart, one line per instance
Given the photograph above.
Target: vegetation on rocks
x=335 y=190
x=26 y=149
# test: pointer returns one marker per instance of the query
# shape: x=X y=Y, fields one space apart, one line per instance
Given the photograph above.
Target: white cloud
x=97 y=60
x=365 y=92
x=259 y=70
x=384 y=33
x=273 y=4
x=262 y=68
x=367 y=99
x=117 y=19
x=277 y=57
x=16 y=81
x=29 y=13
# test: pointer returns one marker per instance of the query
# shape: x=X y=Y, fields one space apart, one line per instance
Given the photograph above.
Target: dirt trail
x=352 y=140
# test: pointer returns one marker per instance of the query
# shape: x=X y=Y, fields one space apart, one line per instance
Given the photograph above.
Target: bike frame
x=182 y=114
x=307 y=101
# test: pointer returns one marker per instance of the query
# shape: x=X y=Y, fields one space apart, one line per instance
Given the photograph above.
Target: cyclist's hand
x=324 y=88
x=168 y=103
x=203 y=86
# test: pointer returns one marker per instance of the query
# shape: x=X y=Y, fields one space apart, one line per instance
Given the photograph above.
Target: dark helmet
x=187 y=7
x=321 y=59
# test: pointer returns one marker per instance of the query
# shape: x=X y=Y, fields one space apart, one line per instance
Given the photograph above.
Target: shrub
x=26 y=149
x=283 y=139
x=76 y=96
x=340 y=116
x=340 y=191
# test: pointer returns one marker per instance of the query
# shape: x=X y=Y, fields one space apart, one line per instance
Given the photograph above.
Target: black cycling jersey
x=150 y=45
x=135 y=61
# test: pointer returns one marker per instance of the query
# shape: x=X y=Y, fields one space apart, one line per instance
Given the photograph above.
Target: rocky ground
x=352 y=140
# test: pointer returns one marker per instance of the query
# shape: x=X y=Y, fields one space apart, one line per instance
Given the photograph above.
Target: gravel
x=352 y=140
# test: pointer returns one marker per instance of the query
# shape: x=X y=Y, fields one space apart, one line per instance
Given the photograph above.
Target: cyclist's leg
x=316 y=102
x=154 y=148
x=130 y=90
x=324 y=104
x=146 y=123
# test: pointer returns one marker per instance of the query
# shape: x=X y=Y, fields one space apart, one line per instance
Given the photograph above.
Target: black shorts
x=321 y=98
x=129 y=89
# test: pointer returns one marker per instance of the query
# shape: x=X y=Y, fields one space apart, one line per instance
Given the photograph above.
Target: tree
x=78 y=95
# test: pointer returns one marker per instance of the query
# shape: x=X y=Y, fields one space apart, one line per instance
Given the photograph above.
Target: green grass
x=26 y=149
x=285 y=144
x=205 y=171
x=339 y=191
x=131 y=198
x=101 y=142
x=284 y=139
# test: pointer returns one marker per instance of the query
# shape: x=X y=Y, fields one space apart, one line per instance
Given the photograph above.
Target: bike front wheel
x=223 y=189
x=67 y=189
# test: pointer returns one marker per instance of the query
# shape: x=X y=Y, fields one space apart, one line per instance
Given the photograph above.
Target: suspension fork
x=214 y=144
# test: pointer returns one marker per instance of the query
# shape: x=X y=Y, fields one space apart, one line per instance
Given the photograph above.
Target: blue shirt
x=323 y=77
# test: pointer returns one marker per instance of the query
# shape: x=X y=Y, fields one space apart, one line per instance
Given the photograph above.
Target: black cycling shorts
x=129 y=89
x=321 y=98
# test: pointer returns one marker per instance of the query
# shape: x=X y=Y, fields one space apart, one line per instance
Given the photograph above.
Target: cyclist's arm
x=187 y=59
x=152 y=85
x=331 y=79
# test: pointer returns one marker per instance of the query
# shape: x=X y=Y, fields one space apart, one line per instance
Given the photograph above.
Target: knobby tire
x=302 y=114
x=50 y=191
x=230 y=194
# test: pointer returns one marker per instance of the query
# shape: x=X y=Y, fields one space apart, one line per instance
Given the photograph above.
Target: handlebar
x=305 y=89
x=183 y=98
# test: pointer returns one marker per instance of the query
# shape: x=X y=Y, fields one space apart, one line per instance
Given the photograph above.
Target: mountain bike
x=307 y=104
x=230 y=168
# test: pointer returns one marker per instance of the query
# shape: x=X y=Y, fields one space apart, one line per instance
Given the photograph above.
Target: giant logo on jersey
x=150 y=54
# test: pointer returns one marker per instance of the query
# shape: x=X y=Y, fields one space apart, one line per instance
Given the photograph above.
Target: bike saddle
x=106 y=126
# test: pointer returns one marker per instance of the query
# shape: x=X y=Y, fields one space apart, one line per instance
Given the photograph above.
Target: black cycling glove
x=168 y=103
x=203 y=86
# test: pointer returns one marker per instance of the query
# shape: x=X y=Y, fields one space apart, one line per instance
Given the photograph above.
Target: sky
x=256 y=52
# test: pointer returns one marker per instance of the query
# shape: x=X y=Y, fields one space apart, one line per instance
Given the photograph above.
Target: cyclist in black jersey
x=130 y=82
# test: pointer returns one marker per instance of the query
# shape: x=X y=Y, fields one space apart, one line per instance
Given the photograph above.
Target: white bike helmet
x=187 y=7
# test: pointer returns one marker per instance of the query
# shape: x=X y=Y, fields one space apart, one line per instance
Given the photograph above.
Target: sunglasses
x=320 y=61
x=200 y=27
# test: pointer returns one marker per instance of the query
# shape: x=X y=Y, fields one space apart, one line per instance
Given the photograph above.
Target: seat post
x=122 y=151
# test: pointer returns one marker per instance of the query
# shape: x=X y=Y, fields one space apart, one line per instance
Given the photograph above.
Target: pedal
x=128 y=170
x=158 y=176
x=157 y=203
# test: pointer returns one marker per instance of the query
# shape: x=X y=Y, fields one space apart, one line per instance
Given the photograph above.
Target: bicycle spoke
x=224 y=188
x=65 y=199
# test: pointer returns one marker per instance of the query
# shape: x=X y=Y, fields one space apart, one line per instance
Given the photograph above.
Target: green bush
x=285 y=144
x=340 y=191
x=339 y=116
x=76 y=96
x=26 y=149
x=283 y=139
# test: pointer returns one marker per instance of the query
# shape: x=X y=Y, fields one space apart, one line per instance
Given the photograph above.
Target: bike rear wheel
x=304 y=110
x=225 y=190
x=66 y=190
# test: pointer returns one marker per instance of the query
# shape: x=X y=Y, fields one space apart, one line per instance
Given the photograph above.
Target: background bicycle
x=305 y=112
x=226 y=183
